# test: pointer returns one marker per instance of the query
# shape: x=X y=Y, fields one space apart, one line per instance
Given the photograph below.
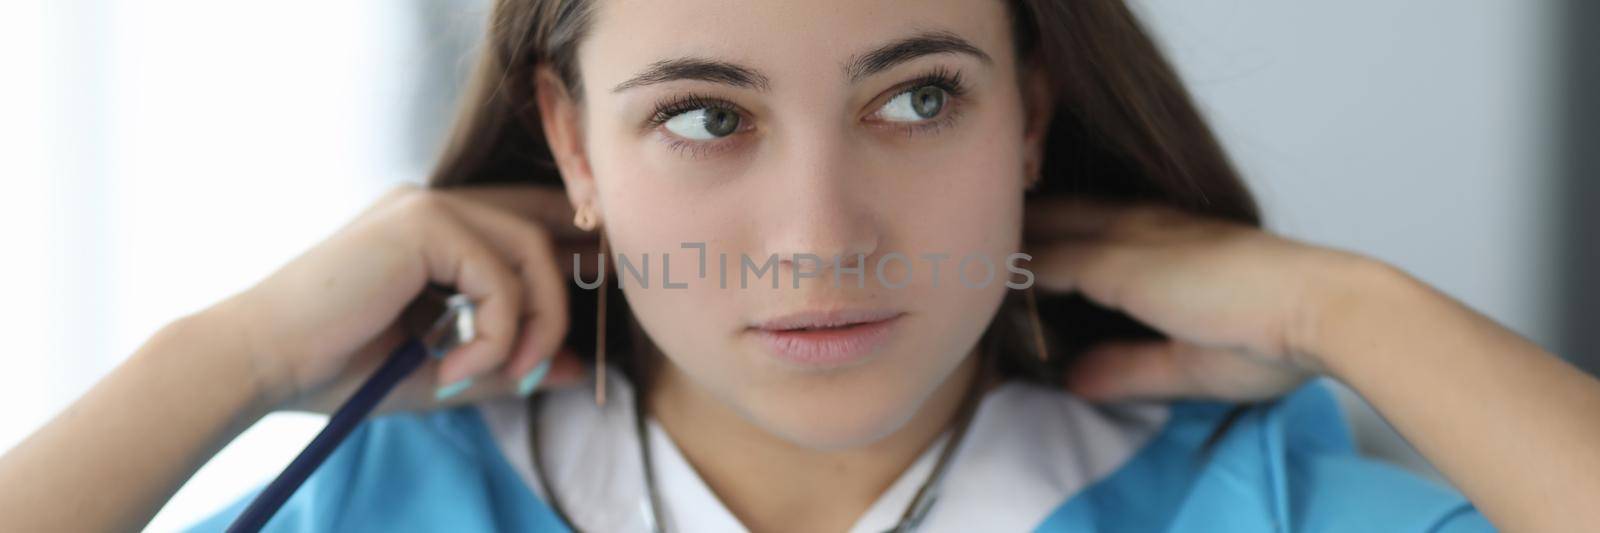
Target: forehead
x=785 y=39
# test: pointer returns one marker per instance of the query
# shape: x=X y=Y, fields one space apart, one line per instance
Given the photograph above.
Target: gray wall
x=1579 y=123
x=1417 y=132
x=1421 y=132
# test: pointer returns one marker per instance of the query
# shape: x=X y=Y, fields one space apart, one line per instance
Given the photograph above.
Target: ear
x=562 y=119
x=1039 y=106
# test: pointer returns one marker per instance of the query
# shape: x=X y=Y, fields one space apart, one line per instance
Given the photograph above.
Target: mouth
x=825 y=339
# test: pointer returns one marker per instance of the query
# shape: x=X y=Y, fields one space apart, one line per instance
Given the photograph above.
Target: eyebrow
x=858 y=68
x=922 y=44
x=694 y=68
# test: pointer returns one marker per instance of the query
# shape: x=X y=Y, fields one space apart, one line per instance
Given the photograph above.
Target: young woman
x=880 y=159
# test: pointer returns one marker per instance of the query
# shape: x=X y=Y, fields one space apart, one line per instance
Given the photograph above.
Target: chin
x=851 y=410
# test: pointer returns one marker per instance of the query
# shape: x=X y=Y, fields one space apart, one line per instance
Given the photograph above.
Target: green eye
x=921 y=103
x=705 y=123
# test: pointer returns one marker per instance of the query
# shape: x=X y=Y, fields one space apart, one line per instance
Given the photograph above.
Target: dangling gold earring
x=587 y=220
x=1038 y=326
x=1035 y=175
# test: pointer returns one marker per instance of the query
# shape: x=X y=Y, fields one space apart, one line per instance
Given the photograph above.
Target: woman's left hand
x=1251 y=316
x=1238 y=304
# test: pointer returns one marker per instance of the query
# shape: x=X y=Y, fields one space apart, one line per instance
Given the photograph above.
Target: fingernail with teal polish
x=531 y=381
x=452 y=389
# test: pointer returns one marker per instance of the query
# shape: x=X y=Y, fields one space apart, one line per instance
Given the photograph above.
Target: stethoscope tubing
x=401 y=363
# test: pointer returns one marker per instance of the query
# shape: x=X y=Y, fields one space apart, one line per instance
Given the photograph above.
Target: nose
x=823 y=204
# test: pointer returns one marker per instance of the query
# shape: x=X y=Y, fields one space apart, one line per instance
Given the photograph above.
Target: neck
x=771 y=484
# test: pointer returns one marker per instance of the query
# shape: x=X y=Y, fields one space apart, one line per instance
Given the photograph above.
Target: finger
x=1100 y=269
x=457 y=257
x=1136 y=370
x=566 y=370
x=527 y=247
x=1173 y=369
x=547 y=206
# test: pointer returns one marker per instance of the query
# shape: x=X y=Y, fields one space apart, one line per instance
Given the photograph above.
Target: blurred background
x=160 y=155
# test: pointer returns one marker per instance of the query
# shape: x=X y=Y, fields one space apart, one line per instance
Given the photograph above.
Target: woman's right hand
x=317 y=327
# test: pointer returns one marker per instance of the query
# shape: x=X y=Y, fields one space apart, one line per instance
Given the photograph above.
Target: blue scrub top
x=1287 y=465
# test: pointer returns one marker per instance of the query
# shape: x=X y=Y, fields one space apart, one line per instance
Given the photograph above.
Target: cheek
x=964 y=197
x=964 y=203
x=650 y=211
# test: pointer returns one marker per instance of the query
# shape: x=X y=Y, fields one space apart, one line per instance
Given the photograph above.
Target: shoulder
x=410 y=472
x=1285 y=465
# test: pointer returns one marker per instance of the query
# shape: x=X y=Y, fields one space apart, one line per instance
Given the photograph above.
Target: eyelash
x=943 y=78
x=683 y=104
x=678 y=105
x=953 y=86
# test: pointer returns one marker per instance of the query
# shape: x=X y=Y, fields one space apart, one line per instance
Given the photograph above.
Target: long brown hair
x=1125 y=128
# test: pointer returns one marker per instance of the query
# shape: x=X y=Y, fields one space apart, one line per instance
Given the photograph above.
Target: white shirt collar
x=1028 y=450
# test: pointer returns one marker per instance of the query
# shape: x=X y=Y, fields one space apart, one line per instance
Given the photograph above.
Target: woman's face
x=889 y=133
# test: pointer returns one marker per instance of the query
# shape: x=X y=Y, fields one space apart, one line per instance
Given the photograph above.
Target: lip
x=827 y=338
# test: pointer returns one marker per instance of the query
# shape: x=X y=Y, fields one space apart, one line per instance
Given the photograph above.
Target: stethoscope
x=437 y=321
x=652 y=507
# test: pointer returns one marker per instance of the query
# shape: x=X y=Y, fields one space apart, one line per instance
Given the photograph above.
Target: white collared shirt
x=1027 y=451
